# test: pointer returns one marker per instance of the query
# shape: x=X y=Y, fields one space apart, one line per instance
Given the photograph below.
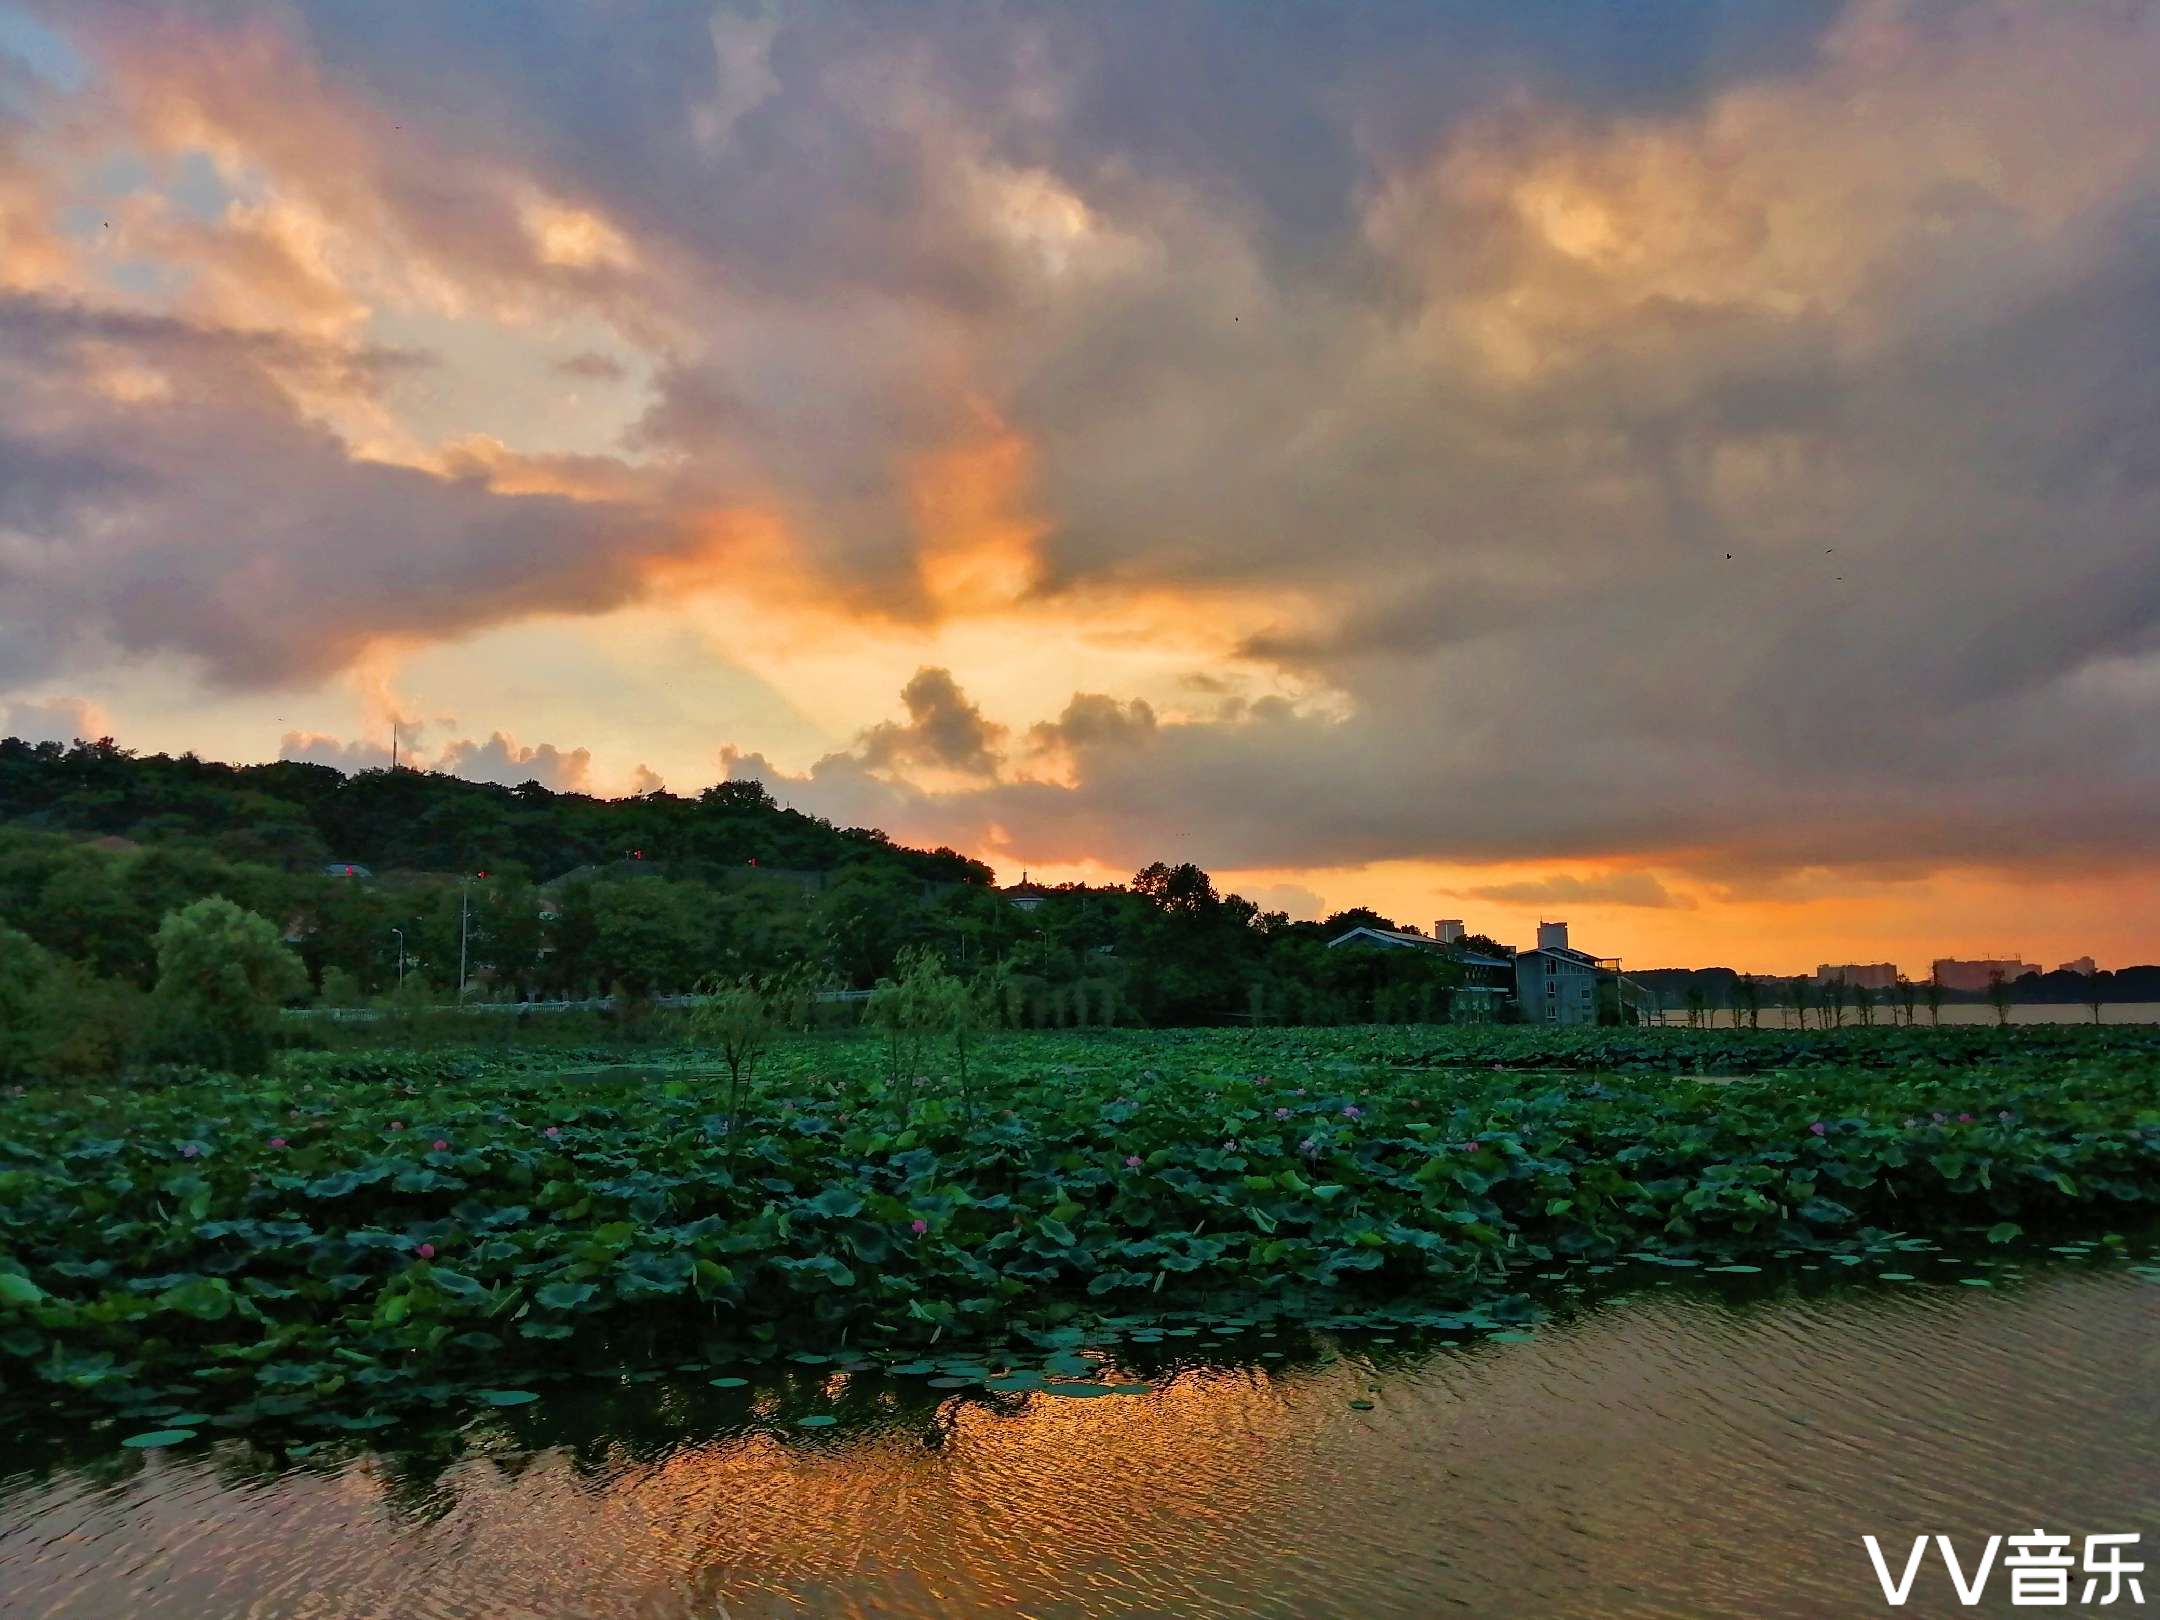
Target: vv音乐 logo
x=2043 y=1572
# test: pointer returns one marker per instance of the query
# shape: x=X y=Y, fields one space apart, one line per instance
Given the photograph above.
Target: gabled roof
x=1397 y=937
x=1566 y=953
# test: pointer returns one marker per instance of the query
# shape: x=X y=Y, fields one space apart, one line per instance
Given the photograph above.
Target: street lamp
x=400 y=956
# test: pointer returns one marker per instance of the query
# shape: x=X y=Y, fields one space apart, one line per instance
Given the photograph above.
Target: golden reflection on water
x=1672 y=1455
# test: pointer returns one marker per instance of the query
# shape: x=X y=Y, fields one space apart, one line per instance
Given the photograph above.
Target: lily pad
x=158 y=1437
x=508 y=1397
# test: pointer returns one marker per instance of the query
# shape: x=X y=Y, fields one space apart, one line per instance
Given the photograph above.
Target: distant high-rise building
x=2079 y=964
x=1552 y=936
x=1974 y=975
x=1860 y=975
x=1448 y=930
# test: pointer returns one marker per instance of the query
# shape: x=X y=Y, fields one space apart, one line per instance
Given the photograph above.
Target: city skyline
x=1688 y=475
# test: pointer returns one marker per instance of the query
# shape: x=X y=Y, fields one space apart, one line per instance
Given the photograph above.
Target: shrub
x=223 y=973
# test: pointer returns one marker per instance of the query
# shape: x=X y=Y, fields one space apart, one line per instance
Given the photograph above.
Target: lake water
x=1677 y=1451
x=2113 y=1012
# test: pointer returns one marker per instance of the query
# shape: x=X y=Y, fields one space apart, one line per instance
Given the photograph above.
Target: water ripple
x=1676 y=1453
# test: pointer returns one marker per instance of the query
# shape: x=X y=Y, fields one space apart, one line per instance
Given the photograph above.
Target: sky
x=1693 y=470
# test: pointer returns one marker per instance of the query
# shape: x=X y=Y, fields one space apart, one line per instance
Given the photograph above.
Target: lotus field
x=355 y=1234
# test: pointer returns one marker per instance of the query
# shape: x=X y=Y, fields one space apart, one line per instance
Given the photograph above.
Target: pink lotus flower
x=1309 y=1146
x=1282 y=1113
x=190 y=1151
x=552 y=1132
x=918 y=1227
x=1964 y=1119
x=2004 y=1116
x=426 y=1251
x=1352 y=1111
x=1229 y=1147
x=1819 y=1128
x=277 y=1141
x=397 y=1124
x=1132 y=1161
x=441 y=1146
x=1940 y=1118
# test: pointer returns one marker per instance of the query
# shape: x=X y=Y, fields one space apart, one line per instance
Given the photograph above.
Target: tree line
x=106 y=860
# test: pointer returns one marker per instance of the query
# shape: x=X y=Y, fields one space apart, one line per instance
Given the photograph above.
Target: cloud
x=500 y=759
x=319 y=748
x=170 y=499
x=1094 y=720
x=54 y=719
x=1612 y=889
x=1299 y=903
x=943 y=731
x=646 y=780
x=1726 y=448
x=592 y=366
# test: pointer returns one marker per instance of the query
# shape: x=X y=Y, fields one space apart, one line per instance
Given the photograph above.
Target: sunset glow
x=1701 y=486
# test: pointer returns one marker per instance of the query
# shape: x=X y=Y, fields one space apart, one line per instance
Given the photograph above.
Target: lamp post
x=400 y=956
x=464 y=917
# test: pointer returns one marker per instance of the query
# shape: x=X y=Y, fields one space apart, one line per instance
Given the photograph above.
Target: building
x=1485 y=978
x=2083 y=965
x=1953 y=974
x=1557 y=984
x=1025 y=896
x=1860 y=975
x=1448 y=930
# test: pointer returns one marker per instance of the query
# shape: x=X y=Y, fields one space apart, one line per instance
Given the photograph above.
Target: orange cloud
x=978 y=543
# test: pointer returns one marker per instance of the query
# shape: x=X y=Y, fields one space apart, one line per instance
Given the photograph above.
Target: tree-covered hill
x=300 y=816
x=407 y=885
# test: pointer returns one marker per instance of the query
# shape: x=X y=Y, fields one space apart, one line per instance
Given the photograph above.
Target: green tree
x=2095 y=993
x=962 y=1008
x=1833 y=995
x=1998 y=994
x=652 y=936
x=26 y=970
x=739 y=1019
x=1934 y=991
x=340 y=988
x=222 y=975
x=909 y=1010
x=1908 y=994
x=1864 y=1005
x=1749 y=992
